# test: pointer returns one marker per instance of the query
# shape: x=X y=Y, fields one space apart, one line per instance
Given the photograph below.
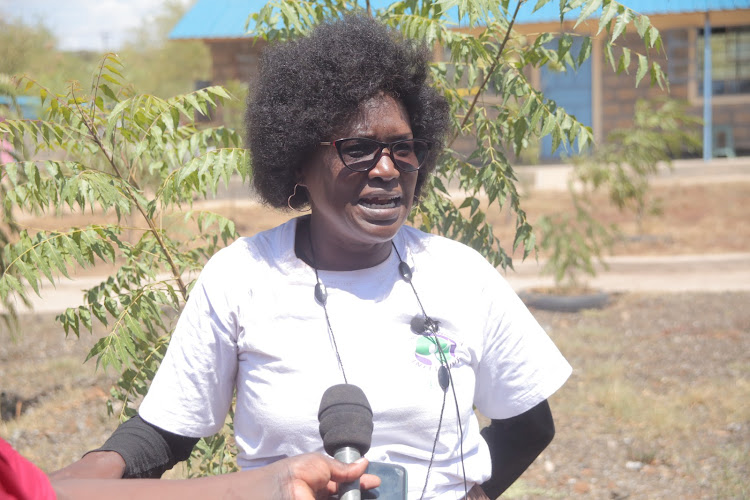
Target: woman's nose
x=384 y=168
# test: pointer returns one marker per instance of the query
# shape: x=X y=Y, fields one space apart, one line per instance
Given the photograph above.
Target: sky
x=97 y=25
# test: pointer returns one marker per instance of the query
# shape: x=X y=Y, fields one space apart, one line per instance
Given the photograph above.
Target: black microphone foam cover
x=345 y=419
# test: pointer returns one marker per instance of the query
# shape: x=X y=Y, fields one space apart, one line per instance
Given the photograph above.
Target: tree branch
x=495 y=63
x=152 y=226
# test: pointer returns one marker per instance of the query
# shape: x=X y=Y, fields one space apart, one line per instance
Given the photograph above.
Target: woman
x=344 y=121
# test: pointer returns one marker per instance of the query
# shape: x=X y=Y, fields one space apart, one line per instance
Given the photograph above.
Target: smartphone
x=393 y=482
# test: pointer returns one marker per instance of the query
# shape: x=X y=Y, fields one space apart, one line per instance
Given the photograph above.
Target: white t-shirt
x=252 y=323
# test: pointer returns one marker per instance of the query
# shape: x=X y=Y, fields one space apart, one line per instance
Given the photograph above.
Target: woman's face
x=360 y=210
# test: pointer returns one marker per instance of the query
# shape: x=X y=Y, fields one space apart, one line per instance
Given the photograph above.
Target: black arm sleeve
x=148 y=451
x=514 y=444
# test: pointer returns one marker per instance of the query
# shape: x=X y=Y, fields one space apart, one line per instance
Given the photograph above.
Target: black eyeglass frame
x=382 y=145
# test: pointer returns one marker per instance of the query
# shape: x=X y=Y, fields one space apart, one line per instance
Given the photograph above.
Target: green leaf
x=658 y=77
x=114 y=70
x=539 y=4
x=108 y=92
x=642 y=23
x=591 y=6
x=564 y=44
x=609 y=55
x=624 y=62
x=654 y=38
x=585 y=51
x=621 y=24
x=111 y=79
x=642 y=68
x=609 y=11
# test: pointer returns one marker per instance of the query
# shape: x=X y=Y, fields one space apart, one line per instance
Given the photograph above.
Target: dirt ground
x=694 y=219
x=657 y=406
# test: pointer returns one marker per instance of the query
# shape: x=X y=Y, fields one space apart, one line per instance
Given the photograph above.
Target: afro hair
x=307 y=88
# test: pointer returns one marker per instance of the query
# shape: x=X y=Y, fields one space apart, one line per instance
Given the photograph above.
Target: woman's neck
x=323 y=253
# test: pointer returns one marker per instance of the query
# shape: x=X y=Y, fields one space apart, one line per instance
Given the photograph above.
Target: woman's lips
x=380 y=203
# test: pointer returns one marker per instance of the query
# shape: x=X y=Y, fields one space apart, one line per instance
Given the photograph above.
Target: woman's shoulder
x=457 y=265
x=270 y=247
x=427 y=245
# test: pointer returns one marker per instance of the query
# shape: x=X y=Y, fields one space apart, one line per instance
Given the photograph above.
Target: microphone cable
x=431 y=328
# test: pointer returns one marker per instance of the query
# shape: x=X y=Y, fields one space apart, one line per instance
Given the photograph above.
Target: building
x=706 y=57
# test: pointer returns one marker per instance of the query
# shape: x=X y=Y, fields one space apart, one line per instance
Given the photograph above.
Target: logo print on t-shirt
x=427 y=353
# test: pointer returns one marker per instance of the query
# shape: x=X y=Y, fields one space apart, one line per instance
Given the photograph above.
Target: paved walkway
x=704 y=273
x=555 y=177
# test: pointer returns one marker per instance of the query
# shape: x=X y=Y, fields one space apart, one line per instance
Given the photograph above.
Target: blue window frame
x=730 y=60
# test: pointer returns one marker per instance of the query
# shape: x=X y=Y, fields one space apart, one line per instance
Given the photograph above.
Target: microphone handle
x=348 y=491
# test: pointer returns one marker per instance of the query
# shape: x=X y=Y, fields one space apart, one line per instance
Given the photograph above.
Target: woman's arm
x=137 y=449
x=514 y=444
x=93 y=465
x=304 y=477
x=301 y=478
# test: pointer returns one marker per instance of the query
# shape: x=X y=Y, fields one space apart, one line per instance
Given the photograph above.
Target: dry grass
x=657 y=405
x=64 y=413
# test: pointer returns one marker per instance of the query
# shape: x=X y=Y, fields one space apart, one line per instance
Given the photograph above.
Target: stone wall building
x=596 y=95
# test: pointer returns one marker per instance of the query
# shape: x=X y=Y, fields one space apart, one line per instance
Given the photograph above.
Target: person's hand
x=314 y=476
x=304 y=477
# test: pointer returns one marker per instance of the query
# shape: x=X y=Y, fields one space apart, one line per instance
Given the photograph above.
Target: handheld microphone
x=345 y=420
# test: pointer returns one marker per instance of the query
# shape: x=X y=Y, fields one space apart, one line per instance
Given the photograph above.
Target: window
x=730 y=60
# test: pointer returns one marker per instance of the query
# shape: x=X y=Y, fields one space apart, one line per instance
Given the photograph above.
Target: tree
x=159 y=66
x=141 y=158
x=163 y=67
x=20 y=44
x=32 y=49
x=622 y=167
x=493 y=103
x=662 y=129
x=8 y=224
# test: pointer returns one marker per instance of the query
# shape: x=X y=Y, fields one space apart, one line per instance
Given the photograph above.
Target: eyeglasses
x=361 y=155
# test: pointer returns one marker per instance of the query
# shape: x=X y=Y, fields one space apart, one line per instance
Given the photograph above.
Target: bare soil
x=657 y=406
x=693 y=219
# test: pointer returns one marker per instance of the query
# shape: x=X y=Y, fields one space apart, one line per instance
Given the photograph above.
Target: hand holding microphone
x=345 y=420
x=314 y=476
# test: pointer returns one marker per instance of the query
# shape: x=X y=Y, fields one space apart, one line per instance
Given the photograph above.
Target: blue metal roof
x=551 y=11
x=30 y=105
x=216 y=19
x=227 y=18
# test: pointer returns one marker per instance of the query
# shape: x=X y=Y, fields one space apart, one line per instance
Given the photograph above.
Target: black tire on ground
x=564 y=303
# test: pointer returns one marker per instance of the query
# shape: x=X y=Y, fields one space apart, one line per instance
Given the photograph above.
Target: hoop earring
x=289 y=200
